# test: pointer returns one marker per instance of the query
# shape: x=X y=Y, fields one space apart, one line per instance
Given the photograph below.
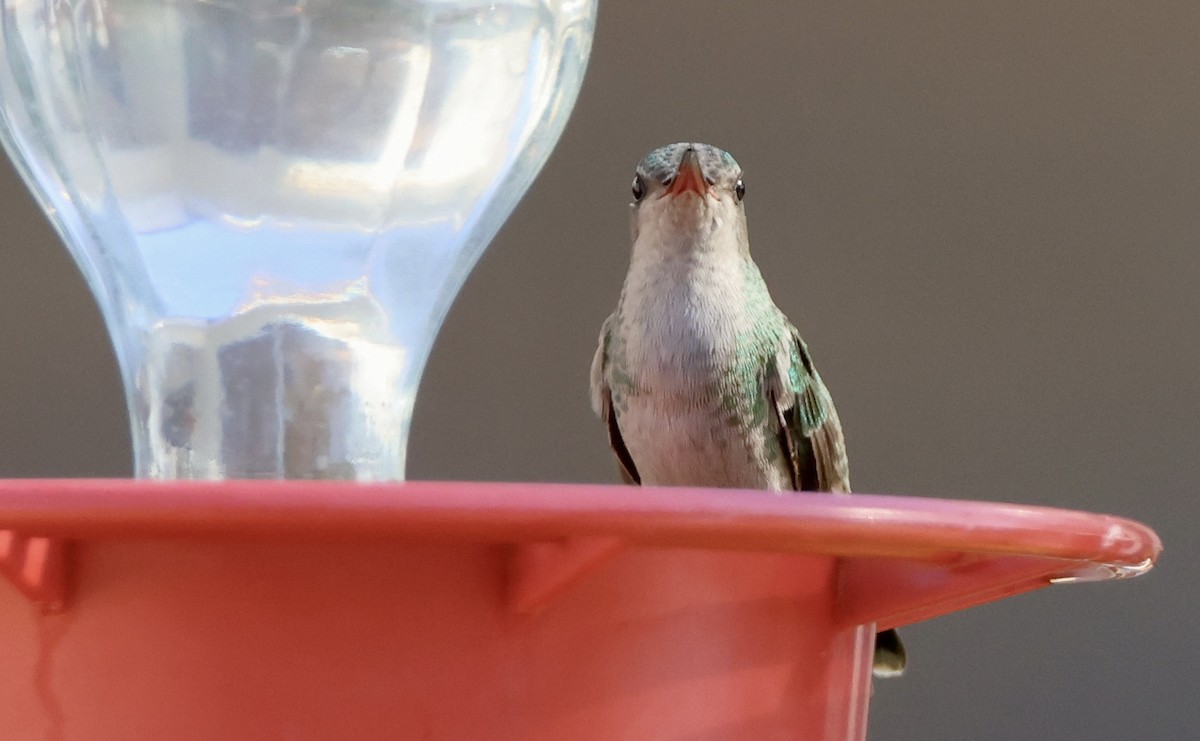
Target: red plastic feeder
x=322 y=610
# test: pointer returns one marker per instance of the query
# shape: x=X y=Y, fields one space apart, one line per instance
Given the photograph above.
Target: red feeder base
x=329 y=610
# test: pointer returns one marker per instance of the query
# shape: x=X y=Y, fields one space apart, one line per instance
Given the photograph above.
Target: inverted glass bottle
x=275 y=201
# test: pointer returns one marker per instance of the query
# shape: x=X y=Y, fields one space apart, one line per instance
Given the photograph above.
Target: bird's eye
x=639 y=188
x=739 y=189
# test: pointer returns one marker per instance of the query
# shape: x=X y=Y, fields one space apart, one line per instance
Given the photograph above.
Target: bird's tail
x=890 y=658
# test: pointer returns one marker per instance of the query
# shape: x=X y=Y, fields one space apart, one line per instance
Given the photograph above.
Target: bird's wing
x=806 y=422
x=810 y=435
x=603 y=406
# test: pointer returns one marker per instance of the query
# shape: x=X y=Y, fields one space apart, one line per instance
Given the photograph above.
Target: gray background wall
x=985 y=219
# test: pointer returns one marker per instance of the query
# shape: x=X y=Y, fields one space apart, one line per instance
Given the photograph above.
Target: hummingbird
x=700 y=379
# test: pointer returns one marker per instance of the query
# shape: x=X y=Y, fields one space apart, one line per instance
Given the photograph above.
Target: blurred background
x=985 y=219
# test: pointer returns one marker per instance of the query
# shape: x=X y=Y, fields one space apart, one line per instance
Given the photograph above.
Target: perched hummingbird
x=700 y=378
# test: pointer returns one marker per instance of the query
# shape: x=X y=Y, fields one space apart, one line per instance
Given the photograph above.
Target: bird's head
x=687 y=197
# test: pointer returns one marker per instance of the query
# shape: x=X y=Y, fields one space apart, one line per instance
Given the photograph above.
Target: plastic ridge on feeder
x=905 y=559
x=36 y=567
